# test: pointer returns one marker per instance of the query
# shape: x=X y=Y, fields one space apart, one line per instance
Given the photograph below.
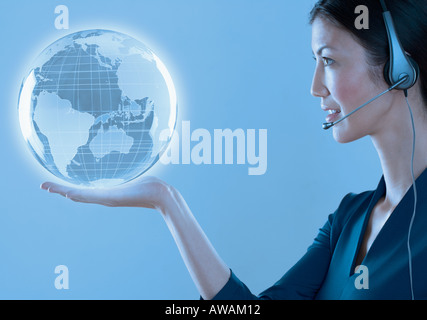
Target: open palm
x=147 y=192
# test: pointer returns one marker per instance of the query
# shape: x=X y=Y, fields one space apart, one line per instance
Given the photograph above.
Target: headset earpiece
x=412 y=79
x=400 y=63
x=386 y=73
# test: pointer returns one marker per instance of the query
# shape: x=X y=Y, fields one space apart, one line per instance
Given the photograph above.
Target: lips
x=333 y=113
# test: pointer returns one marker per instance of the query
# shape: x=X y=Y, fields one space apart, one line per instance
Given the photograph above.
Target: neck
x=394 y=145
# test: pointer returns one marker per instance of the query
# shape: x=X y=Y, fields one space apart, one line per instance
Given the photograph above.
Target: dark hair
x=410 y=19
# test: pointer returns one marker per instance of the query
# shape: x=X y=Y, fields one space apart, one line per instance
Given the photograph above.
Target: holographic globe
x=97 y=108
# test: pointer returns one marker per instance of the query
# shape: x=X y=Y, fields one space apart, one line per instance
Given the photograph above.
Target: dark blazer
x=327 y=270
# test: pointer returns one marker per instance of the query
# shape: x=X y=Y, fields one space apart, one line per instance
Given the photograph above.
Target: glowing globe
x=97 y=108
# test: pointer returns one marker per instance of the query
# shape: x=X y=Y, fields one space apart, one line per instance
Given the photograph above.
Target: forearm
x=206 y=268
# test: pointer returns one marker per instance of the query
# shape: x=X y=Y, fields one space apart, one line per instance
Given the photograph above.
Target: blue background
x=230 y=59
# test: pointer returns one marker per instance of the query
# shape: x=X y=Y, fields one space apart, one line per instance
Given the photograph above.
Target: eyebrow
x=322 y=48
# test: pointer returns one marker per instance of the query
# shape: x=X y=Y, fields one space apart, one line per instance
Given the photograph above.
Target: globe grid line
x=57 y=107
x=111 y=102
x=135 y=154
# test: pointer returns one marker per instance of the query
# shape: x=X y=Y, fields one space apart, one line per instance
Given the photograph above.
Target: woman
x=368 y=229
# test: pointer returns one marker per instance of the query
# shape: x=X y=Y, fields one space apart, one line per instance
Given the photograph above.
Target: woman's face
x=341 y=79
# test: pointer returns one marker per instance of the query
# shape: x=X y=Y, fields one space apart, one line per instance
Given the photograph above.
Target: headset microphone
x=328 y=125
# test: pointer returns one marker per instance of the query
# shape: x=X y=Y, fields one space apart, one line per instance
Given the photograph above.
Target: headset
x=400 y=63
x=401 y=72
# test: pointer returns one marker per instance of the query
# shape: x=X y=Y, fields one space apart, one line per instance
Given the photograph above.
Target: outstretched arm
x=206 y=268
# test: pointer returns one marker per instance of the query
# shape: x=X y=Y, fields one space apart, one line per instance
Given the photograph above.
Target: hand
x=148 y=192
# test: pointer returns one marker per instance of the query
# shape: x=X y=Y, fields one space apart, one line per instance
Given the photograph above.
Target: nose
x=318 y=88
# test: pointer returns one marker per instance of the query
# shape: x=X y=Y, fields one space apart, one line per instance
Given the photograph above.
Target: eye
x=327 y=61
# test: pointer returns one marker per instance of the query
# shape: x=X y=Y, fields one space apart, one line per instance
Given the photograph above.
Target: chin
x=343 y=134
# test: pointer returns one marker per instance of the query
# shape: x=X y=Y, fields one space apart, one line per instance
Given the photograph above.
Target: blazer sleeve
x=303 y=280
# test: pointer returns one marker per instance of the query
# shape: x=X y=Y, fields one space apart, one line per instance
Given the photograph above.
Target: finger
x=56 y=188
x=80 y=195
x=67 y=192
x=90 y=196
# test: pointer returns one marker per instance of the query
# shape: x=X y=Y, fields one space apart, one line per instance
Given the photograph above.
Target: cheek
x=352 y=90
